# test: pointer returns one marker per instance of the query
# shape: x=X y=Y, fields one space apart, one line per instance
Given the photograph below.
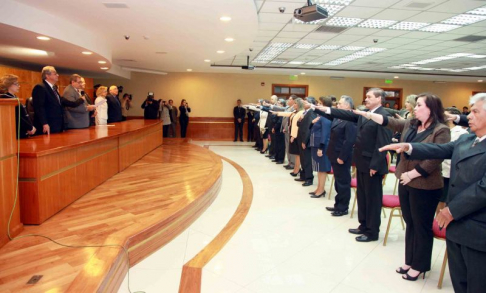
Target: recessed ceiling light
x=189 y=70
x=480 y=80
x=479 y=11
x=42 y=38
x=339 y=2
x=87 y=53
x=396 y=77
x=304 y=46
x=229 y=39
x=464 y=19
x=207 y=60
x=296 y=62
x=328 y=47
x=439 y=28
x=225 y=18
x=350 y=48
x=344 y=21
x=377 y=23
x=313 y=63
x=220 y=52
x=102 y=62
x=104 y=68
x=408 y=25
x=279 y=62
x=302 y=73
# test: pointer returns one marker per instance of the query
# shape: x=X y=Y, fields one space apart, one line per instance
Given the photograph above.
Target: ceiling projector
x=310 y=13
x=248 y=66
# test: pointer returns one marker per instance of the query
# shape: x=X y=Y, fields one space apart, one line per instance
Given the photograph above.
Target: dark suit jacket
x=303 y=135
x=114 y=109
x=239 y=113
x=371 y=137
x=343 y=136
x=184 y=112
x=47 y=108
x=467 y=187
x=320 y=133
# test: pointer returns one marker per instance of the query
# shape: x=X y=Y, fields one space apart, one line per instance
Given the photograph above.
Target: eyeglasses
x=16 y=83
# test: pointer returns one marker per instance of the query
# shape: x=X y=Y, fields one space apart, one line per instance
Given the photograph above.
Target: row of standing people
x=167 y=112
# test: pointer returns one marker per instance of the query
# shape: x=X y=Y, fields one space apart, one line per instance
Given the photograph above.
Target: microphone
x=82 y=93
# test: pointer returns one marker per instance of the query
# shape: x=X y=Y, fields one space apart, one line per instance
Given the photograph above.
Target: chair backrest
x=438 y=233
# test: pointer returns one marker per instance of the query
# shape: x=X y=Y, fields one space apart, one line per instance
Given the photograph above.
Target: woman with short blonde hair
x=101 y=106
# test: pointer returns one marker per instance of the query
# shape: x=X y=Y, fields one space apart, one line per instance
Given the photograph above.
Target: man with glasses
x=76 y=117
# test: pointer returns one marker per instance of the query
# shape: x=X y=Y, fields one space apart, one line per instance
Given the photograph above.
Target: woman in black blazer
x=184 y=117
x=9 y=86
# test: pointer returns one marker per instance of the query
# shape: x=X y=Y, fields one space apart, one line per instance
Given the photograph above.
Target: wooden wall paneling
x=8 y=142
x=29 y=201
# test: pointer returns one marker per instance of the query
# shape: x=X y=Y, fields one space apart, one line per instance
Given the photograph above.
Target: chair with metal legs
x=393 y=203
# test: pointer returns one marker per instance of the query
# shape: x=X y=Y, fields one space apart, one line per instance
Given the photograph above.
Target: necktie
x=54 y=87
x=476 y=141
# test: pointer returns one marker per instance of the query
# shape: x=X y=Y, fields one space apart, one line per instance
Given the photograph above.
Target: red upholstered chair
x=441 y=235
x=393 y=203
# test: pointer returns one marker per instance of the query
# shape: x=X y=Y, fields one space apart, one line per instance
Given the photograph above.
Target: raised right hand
x=397 y=147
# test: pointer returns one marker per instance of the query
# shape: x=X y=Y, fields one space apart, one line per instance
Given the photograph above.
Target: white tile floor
x=287 y=243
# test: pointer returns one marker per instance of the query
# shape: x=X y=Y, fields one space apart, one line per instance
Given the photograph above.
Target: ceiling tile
x=274 y=18
x=445 y=37
x=360 y=12
x=295 y=27
x=263 y=39
x=457 y=6
x=294 y=35
x=468 y=30
x=431 y=17
x=405 y=4
x=320 y=36
x=270 y=26
x=395 y=14
x=418 y=35
x=342 y=37
x=262 y=33
x=273 y=7
x=360 y=31
x=389 y=33
x=285 y=40
x=258 y=4
x=400 y=41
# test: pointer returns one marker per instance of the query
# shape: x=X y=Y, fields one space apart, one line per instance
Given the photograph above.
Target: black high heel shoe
x=294 y=174
x=318 y=195
x=402 y=271
x=410 y=278
x=263 y=151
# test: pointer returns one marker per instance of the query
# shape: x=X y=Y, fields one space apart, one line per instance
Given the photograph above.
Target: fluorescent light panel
x=377 y=23
x=439 y=28
x=271 y=51
x=354 y=56
x=464 y=19
x=296 y=62
x=328 y=47
x=338 y=2
x=304 y=46
x=408 y=25
x=478 y=11
x=313 y=63
x=351 y=48
x=344 y=21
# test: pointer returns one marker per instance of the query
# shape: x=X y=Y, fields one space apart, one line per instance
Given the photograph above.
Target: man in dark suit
x=339 y=152
x=303 y=137
x=465 y=214
x=48 y=103
x=239 y=115
x=114 y=106
x=371 y=165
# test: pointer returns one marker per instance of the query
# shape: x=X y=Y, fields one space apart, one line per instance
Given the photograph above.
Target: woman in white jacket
x=101 y=106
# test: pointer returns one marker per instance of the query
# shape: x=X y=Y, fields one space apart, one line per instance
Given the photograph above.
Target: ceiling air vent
x=330 y=29
x=418 y=4
x=470 y=39
x=115 y=5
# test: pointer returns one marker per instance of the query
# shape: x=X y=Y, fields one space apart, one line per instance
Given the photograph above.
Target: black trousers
x=165 y=130
x=466 y=266
x=183 y=123
x=250 y=131
x=239 y=130
x=271 y=150
x=342 y=184
x=279 y=147
x=305 y=162
x=370 y=200
x=418 y=210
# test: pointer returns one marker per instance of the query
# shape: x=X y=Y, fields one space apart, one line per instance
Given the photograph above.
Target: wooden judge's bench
x=57 y=169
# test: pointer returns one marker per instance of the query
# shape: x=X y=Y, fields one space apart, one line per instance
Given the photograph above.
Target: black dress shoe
x=308 y=183
x=331 y=209
x=364 y=238
x=241 y=140
x=289 y=167
x=272 y=157
x=339 y=213
x=299 y=179
x=319 y=195
x=286 y=166
x=294 y=174
x=274 y=161
x=234 y=140
x=279 y=163
x=355 y=231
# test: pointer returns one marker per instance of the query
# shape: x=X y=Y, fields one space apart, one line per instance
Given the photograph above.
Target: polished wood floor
x=141 y=208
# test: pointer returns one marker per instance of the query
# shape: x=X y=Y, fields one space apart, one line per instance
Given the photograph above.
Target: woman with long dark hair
x=421 y=181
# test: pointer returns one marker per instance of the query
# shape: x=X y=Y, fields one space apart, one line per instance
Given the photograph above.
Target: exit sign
x=388 y=81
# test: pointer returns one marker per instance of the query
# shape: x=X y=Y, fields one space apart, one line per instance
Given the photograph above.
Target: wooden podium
x=8 y=171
